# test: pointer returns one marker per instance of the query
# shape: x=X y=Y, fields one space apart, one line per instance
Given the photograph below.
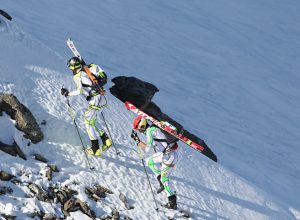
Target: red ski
x=166 y=126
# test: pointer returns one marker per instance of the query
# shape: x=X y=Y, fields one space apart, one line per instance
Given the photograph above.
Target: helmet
x=139 y=122
x=74 y=63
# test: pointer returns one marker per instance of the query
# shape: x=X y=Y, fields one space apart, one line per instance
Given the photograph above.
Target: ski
x=166 y=126
x=76 y=53
x=72 y=47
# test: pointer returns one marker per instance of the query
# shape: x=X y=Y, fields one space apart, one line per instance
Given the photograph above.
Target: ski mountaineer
x=96 y=102
x=163 y=161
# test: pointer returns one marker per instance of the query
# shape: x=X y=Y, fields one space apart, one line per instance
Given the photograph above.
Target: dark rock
x=65 y=197
x=25 y=121
x=8 y=217
x=185 y=214
x=105 y=217
x=19 y=151
x=53 y=168
x=9 y=149
x=44 y=122
x=127 y=218
x=74 y=204
x=16 y=182
x=97 y=192
x=94 y=193
x=70 y=205
x=115 y=215
x=49 y=173
x=49 y=170
x=39 y=214
x=5 y=190
x=50 y=216
x=124 y=200
x=103 y=189
x=6 y=176
x=13 y=150
x=40 y=194
x=85 y=209
x=39 y=158
x=63 y=194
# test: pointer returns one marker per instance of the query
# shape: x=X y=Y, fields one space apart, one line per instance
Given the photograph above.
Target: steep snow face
x=232 y=67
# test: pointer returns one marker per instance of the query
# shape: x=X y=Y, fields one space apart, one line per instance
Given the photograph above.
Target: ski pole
x=70 y=109
x=142 y=159
x=117 y=152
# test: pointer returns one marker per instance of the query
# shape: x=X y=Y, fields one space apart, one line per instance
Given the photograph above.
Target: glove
x=135 y=137
x=64 y=92
x=102 y=92
x=88 y=98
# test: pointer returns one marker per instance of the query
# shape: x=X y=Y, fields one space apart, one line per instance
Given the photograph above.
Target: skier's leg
x=90 y=117
x=153 y=162
x=165 y=174
x=169 y=161
x=98 y=103
x=168 y=164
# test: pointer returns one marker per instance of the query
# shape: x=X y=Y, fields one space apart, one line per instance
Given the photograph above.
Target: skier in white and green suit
x=163 y=161
x=96 y=103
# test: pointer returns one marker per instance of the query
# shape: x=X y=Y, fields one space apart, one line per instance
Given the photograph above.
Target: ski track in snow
x=207 y=190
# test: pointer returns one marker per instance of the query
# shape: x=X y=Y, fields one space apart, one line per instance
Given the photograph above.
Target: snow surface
x=227 y=70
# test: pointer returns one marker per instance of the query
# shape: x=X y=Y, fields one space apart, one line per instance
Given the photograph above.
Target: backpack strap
x=170 y=146
x=161 y=140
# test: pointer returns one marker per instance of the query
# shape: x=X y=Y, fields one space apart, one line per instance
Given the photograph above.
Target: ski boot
x=106 y=141
x=94 y=150
x=172 y=204
x=161 y=185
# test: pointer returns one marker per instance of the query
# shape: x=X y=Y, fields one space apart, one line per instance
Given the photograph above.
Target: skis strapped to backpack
x=98 y=77
x=165 y=126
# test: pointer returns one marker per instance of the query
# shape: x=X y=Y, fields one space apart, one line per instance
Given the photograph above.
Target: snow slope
x=232 y=65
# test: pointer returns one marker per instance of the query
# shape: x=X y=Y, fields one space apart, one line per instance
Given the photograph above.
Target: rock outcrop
x=25 y=121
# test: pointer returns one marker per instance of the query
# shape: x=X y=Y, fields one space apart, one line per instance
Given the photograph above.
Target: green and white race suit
x=95 y=105
x=163 y=161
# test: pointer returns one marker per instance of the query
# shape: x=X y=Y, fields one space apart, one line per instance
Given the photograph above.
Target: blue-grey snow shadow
x=240 y=202
x=220 y=195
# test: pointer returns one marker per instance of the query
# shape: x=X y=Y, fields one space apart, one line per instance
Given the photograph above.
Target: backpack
x=99 y=74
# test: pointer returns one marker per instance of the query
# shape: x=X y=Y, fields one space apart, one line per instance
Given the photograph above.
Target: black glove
x=88 y=98
x=64 y=92
x=135 y=137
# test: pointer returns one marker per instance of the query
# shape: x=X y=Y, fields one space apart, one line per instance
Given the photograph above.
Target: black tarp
x=133 y=90
x=140 y=94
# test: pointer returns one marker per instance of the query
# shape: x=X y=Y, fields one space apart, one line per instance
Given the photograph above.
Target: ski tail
x=183 y=135
x=5 y=14
x=204 y=148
